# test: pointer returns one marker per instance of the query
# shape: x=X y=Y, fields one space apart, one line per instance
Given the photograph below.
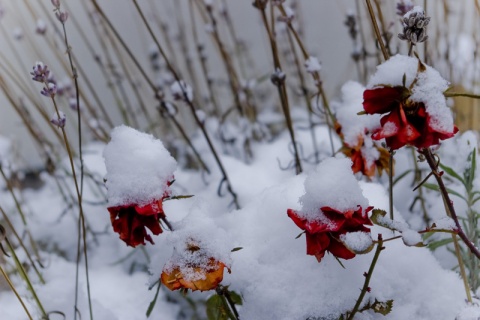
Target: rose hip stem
x=449 y=203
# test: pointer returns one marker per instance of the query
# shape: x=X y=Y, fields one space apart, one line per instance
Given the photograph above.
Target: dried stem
x=282 y=90
x=378 y=35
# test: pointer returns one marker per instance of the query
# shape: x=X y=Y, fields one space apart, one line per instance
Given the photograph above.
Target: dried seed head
x=414 y=26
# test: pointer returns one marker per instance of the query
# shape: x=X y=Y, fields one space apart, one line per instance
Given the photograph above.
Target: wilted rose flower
x=323 y=234
x=415 y=111
x=130 y=221
x=193 y=269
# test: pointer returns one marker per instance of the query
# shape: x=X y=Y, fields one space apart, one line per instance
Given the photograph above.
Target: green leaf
x=383 y=308
x=452 y=173
x=434 y=187
x=236 y=249
x=154 y=301
x=178 y=197
x=401 y=176
x=431 y=186
x=236 y=298
x=469 y=173
x=440 y=243
x=216 y=308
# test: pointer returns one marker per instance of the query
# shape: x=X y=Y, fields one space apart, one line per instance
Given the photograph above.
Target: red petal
x=300 y=222
x=152 y=208
x=339 y=250
x=317 y=244
x=381 y=100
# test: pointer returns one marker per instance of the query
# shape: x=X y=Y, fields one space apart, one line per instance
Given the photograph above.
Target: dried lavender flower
x=415 y=26
x=41 y=27
x=59 y=119
x=40 y=72
x=49 y=90
x=62 y=16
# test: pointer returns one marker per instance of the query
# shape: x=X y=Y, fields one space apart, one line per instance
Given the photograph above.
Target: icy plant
x=139 y=172
x=192 y=268
x=331 y=210
x=411 y=95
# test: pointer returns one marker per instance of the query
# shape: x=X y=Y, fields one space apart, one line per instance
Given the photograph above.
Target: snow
x=138 y=167
x=312 y=65
x=445 y=223
x=358 y=241
x=272 y=272
x=411 y=238
x=333 y=185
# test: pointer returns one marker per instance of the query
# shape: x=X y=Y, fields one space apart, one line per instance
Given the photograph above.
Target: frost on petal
x=138 y=167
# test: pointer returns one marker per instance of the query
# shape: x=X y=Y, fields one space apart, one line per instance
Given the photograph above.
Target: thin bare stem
x=368 y=277
x=10 y=284
x=385 y=53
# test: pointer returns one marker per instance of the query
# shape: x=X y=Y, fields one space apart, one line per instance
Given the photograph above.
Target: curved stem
x=368 y=277
x=448 y=202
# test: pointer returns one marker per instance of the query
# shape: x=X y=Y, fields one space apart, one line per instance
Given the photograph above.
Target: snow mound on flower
x=138 y=167
x=199 y=230
x=353 y=126
x=428 y=88
x=333 y=185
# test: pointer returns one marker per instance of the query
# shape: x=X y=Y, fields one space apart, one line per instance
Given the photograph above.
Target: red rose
x=406 y=122
x=324 y=234
x=130 y=221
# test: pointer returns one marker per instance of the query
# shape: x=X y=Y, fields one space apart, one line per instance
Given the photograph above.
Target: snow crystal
x=332 y=184
x=313 y=65
x=411 y=238
x=138 y=167
x=357 y=241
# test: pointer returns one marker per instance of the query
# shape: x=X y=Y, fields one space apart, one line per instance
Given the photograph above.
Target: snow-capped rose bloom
x=324 y=235
x=410 y=95
x=333 y=206
x=193 y=269
x=131 y=220
x=139 y=174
